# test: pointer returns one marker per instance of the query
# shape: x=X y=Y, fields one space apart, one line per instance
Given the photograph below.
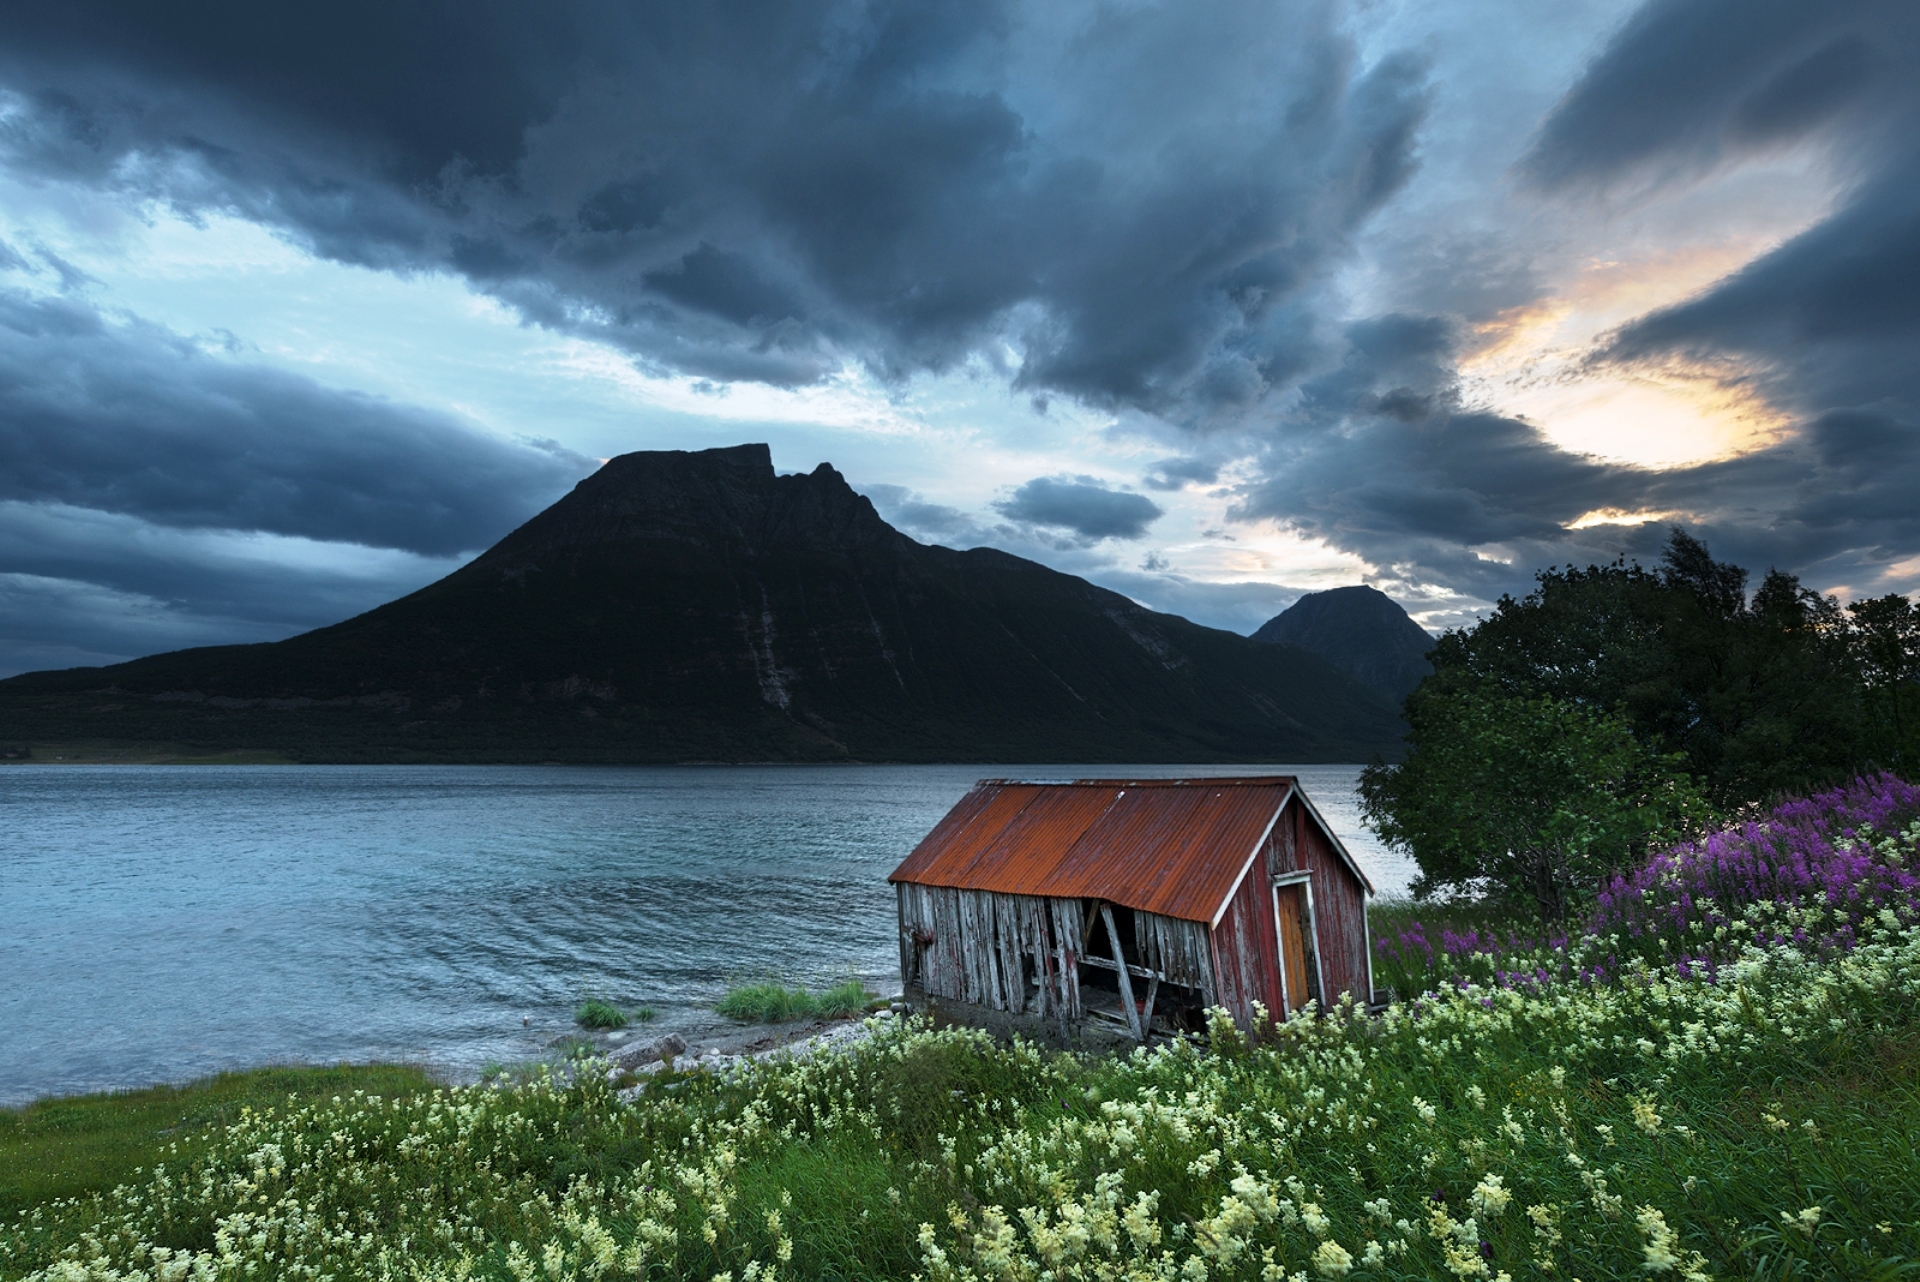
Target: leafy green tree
x=1885 y=634
x=1761 y=697
x=1756 y=696
x=1526 y=799
x=1600 y=712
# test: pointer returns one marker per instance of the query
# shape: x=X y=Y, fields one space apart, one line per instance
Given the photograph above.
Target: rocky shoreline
x=630 y=1054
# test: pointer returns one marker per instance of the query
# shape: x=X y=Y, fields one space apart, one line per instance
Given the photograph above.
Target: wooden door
x=1289 y=911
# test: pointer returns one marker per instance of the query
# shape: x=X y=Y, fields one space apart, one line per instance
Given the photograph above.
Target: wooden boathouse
x=1104 y=907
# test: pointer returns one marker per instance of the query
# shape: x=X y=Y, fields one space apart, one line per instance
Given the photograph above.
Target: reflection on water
x=158 y=923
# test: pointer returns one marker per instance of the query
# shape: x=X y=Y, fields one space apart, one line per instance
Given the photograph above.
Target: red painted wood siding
x=1340 y=913
x=1246 y=952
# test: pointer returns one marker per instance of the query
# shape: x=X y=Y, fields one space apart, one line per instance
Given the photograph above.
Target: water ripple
x=162 y=922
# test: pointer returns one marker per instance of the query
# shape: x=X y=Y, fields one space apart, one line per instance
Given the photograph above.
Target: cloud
x=1144 y=207
x=1388 y=464
x=1178 y=473
x=126 y=417
x=1236 y=607
x=1383 y=455
x=928 y=522
x=1142 y=200
x=63 y=623
x=79 y=586
x=1687 y=85
x=155 y=496
x=281 y=584
x=1826 y=327
x=1082 y=505
x=1828 y=322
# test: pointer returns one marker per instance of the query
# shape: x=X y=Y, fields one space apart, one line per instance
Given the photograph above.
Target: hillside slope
x=695 y=606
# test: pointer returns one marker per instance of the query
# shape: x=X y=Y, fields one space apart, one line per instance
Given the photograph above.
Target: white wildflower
x=1490 y=1196
x=1332 y=1260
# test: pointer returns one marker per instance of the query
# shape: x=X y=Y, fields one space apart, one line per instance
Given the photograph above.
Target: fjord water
x=159 y=923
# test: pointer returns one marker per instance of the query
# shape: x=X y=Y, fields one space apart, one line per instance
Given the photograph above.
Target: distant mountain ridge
x=1361 y=631
x=681 y=606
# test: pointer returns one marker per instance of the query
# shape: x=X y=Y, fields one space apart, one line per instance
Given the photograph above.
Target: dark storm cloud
x=1687 y=84
x=1387 y=463
x=1141 y=198
x=79 y=586
x=1178 y=473
x=1384 y=459
x=1083 y=505
x=65 y=623
x=1830 y=321
x=1827 y=326
x=129 y=418
x=198 y=573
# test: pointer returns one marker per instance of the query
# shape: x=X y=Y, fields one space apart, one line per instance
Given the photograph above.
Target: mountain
x=1361 y=631
x=696 y=606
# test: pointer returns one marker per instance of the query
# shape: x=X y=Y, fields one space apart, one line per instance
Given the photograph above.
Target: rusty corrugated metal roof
x=1168 y=846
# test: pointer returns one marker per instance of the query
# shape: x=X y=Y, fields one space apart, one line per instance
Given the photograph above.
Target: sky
x=1213 y=303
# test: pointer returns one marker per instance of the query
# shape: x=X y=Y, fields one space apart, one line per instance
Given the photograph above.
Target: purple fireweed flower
x=1812 y=851
x=1810 y=865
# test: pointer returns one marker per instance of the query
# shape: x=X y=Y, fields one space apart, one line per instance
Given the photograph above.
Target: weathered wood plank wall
x=1010 y=953
x=1246 y=951
x=1179 y=950
x=1340 y=911
x=1021 y=954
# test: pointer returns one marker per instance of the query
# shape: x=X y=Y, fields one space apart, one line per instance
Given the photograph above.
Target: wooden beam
x=1120 y=969
x=1142 y=972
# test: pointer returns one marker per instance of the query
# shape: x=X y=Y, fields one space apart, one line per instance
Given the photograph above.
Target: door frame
x=1276 y=883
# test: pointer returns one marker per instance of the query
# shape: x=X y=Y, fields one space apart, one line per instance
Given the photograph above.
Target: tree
x=1527 y=799
x=1598 y=713
x=1760 y=695
x=1886 y=646
x=1757 y=697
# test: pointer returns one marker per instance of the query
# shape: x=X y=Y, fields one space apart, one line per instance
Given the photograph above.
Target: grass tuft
x=766 y=1003
x=771 y=1002
x=594 y=1013
x=844 y=1000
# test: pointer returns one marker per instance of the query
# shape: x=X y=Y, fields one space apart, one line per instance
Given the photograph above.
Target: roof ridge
x=1195 y=781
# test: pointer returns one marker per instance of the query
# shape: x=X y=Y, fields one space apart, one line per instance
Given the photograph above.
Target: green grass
x=767 y=1003
x=771 y=1002
x=1580 y=1129
x=86 y=1143
x=1408 y=971
x=594 y=1013
x=1391 y=912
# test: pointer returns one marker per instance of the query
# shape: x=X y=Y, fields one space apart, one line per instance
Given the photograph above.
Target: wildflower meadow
x=1715 y=1077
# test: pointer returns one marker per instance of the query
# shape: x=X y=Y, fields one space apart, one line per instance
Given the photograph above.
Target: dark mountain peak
x=1360 y=630
x=723 y=500
x=694 y=606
